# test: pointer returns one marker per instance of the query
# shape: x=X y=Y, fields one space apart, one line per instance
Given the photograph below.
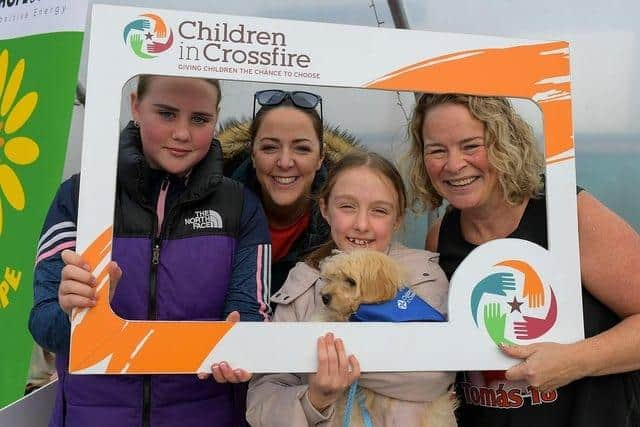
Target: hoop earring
x=136 y=123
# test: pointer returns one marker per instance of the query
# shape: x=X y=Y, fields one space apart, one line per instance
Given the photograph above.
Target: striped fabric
x=57 y=238
x=263 y=279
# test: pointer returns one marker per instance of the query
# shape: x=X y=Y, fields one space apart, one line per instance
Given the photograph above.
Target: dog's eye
x=351 y=282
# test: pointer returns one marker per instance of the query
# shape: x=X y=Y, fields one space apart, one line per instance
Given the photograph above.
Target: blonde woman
x=480 y=156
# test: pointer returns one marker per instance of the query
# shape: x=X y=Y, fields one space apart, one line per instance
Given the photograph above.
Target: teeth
x=285 y=179
x=359 y=242
x=462 y=181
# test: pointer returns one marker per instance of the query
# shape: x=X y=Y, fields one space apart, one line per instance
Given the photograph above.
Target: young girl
x=364 y=203
x=172 y=265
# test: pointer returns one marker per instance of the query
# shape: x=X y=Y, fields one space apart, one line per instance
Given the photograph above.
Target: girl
x=289 y=158
x=363 y=202
x=169 y=178
x=480 y=156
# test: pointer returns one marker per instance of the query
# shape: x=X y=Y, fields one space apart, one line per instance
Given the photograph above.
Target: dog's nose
x=326 y=299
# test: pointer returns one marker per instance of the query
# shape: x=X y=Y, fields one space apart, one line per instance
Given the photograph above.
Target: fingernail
x=86 y=267
x=201 y=375
x=237 y=372
x=215 y=366
x=223 y=365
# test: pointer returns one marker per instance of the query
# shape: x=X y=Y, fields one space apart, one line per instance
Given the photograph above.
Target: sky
x=604 y=48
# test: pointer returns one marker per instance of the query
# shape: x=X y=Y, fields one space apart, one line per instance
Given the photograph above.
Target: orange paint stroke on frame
x=122 y=346
x=539 y=72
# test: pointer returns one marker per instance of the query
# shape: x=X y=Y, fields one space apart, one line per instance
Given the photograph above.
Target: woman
x=364 y=203
x=165 y=267
x=289 y=155
x=480 y=156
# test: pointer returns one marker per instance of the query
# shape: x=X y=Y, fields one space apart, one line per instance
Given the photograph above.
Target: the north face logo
x=204 y=219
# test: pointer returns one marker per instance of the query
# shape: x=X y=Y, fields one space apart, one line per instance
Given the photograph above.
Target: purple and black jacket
x=190 y=249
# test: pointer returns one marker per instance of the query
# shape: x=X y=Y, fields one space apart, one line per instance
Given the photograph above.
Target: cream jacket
x=282 y=399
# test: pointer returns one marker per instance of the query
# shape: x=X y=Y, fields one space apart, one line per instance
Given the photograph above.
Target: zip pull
x=155 y=259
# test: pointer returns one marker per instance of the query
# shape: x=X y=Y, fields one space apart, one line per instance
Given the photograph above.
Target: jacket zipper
x=153 y=282
x=155 y=260
x=151 y=314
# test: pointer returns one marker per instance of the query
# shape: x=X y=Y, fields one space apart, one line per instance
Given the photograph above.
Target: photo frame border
x=343 y=56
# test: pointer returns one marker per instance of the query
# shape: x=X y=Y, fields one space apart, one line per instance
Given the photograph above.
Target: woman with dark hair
x=480 y=156
x=289 y=153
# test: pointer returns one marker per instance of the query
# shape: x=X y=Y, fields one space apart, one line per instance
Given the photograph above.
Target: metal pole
x=398 y=14
x=400 y=21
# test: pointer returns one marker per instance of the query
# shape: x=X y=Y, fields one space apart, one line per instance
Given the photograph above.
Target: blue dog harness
x=406 y=306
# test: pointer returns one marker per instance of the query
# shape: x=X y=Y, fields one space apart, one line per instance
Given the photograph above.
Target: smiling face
x=362 y=210
x=177 y=117
x=286 y=155
x=455 y=157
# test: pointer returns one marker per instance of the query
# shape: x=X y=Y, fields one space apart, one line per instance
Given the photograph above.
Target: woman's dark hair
x=310 y=112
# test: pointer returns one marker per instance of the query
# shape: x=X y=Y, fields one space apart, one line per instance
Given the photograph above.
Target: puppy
x=362 y=276
x=366 y=276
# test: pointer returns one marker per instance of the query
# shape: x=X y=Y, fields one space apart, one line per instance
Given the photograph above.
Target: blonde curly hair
x=509 y=140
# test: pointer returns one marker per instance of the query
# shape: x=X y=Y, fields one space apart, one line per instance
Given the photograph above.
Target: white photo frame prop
x=279 y=51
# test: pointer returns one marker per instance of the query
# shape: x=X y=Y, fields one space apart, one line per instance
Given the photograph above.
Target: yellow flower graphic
x=19 y=150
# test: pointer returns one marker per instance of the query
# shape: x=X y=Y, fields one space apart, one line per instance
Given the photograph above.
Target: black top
x=487 y=399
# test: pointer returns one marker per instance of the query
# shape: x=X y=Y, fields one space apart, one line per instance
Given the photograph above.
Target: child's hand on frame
x=222 y=372
x=78 y=285
x=336 y=372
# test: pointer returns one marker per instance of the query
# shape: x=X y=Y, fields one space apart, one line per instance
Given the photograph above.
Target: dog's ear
x=390 y=271
x=384 y=279
x=327 y=265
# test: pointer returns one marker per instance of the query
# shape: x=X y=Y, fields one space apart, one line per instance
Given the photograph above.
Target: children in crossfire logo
x=148 y=36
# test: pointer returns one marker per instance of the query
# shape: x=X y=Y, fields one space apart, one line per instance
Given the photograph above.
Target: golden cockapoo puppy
x=365 y=276
x=362 y=276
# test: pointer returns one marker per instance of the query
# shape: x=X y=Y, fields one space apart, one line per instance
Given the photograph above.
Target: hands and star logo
x=147 y=36
x=513 y=305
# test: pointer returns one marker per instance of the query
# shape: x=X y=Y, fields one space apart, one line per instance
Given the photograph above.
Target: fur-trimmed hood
x=234 y=138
